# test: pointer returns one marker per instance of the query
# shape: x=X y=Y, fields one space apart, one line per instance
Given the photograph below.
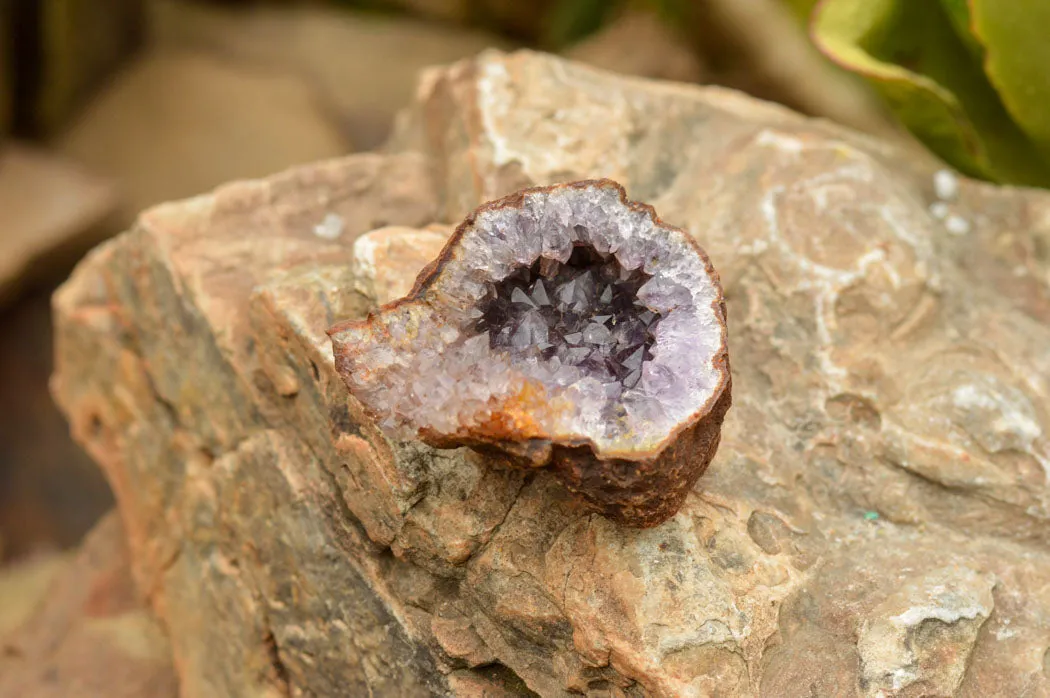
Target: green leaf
x=801 y=8
x=910 y=52
x=958 y=12
x=1015 y=35
x=571 y=20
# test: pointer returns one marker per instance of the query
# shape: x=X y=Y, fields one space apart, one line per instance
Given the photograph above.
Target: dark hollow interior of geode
x=583 y=313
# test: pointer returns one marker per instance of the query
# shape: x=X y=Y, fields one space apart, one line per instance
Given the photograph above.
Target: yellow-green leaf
x=958 y=12
x=910 y=52
x=1015 y=35
x=801 y=8
x=571 y=20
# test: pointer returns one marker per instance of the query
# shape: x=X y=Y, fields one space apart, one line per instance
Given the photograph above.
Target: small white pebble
x=945 y=185
x=330 y=228
x=957 y=225
x=939 y=210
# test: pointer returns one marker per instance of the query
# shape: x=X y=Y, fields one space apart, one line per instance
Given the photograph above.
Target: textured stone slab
x=875 y=522
x=50 y=211
x=179 y=122
x=88 y=633
x=362 y=66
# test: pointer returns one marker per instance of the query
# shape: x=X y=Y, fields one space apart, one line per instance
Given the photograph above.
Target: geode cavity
x=565 y=326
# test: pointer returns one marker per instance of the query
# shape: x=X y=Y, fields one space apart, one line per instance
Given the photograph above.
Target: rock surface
x=88 y=634
x=50 y=211
x=362 y=66
x=180 y=122
x=24 y=584
x=640 y=43
x=875 y=522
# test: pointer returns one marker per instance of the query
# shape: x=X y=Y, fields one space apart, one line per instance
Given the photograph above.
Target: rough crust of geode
x=479 y=353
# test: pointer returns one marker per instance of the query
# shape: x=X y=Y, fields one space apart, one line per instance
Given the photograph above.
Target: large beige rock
x=362 y=66
x=640 y=43
x=875 y=522
x=50 y=211
x=23 y=586
x=84 y=630
x=179 y=122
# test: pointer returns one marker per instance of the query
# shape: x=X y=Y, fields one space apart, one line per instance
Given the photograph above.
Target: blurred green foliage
x=801 y=8
x=571 y=20
x=55 y=53
x=550 y=24
x=969 y=78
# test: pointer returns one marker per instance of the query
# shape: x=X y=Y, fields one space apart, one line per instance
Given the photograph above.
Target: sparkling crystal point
x=596 y=333
x=539 y=293
x=634 y=361
x=519 y=296
x=566 y=293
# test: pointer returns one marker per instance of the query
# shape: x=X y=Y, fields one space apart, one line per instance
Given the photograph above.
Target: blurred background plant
x=108 y=107
x=970 y=78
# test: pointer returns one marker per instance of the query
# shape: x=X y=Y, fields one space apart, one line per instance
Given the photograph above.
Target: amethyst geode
x=569 y=328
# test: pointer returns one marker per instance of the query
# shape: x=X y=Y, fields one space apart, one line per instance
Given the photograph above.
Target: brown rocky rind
x=640 y=487
x=645 y=493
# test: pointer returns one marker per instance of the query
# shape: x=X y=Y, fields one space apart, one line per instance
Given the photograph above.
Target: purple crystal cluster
x=562 y=314
x=583 y=313
x=566 y=326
